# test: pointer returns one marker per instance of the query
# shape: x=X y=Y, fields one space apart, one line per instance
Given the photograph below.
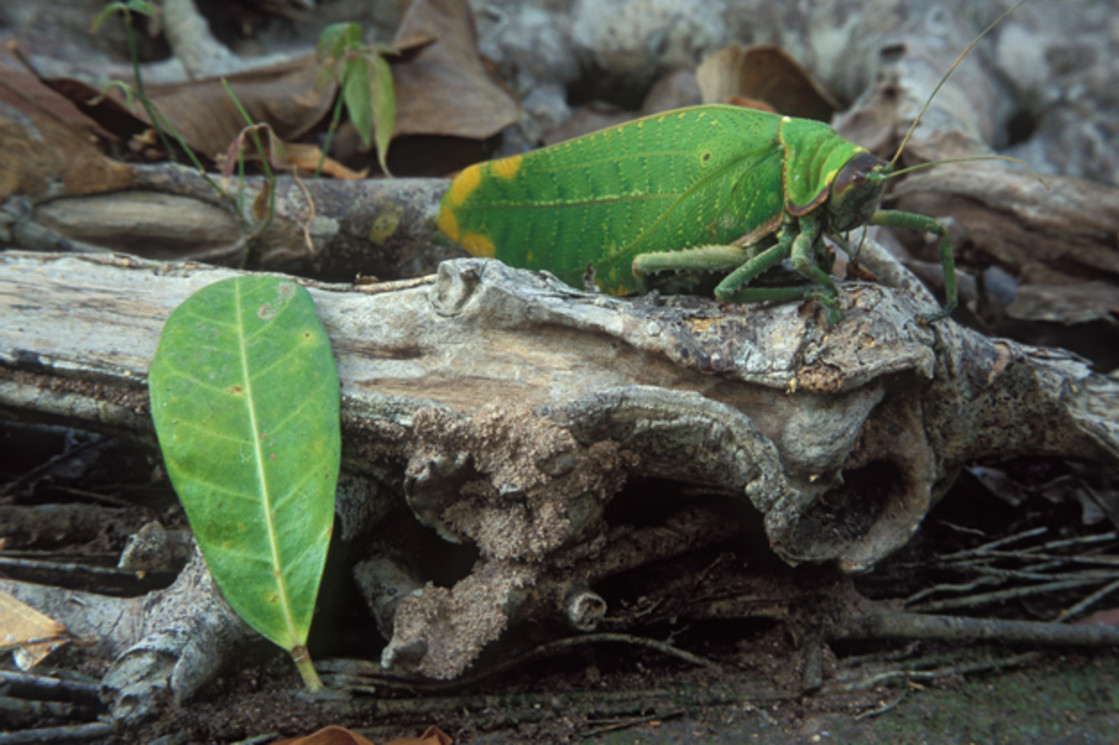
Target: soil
x=614 y=693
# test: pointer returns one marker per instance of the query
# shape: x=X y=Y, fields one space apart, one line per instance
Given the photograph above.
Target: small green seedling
x=366 y=88
x=696 y=191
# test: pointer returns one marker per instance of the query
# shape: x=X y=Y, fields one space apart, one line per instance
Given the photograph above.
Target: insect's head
x=856 y=191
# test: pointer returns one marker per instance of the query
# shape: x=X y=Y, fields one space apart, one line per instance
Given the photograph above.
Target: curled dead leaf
x=444 y=88
x=305 y=158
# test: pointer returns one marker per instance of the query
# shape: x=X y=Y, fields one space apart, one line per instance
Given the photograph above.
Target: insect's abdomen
x=702 y=175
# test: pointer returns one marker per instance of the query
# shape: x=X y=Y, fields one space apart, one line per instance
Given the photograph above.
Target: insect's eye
x=855 y=192
x=854 y=172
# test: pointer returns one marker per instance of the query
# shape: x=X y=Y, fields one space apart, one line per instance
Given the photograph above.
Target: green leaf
x=384 y=106
x=356 y=92
x=333 y=41
x=245 y=399
x=366 y=84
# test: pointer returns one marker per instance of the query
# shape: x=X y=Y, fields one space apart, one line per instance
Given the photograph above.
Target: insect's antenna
x=928 y=102
x=932 y=163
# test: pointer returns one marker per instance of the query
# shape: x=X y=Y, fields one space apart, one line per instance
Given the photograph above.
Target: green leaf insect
x=245 y=401
x=696 y=191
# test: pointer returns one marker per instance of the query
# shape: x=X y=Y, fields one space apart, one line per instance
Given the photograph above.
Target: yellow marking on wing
x=507 y=167
x=465 y=183
x=478 y=245
x=829 y=177
x=448 y=223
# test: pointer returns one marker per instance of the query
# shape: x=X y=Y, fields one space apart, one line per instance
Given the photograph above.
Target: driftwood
x=507 y=409
x=480 y=338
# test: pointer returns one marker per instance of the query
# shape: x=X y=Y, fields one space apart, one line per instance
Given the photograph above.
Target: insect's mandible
x=676 y=198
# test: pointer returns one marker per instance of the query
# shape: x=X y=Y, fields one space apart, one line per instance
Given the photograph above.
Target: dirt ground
x=1060 y=698
x=622 y=693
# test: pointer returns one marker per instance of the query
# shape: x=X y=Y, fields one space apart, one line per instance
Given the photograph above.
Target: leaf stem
x=306 y=668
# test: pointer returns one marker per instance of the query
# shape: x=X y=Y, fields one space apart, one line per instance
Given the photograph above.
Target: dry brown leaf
x=26 y=631
x=444 y=88
x=38 y=152
x=284 y=96
x=764 y=73
x=303 y=157
x=282 y=156
x=109 y=112
x=27 y=93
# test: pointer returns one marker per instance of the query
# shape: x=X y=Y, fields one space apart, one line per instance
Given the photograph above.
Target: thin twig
x=882 y=709
x=1087 y=602
x=993 y=544
x=984 y=665
x=89 y=732
x=356 y=680
x=1001 y=596
x=630 y=722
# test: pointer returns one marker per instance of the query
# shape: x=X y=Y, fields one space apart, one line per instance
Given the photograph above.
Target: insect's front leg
x=804 y=259
x=913 y=221
x=803 y=254
x=793 y=239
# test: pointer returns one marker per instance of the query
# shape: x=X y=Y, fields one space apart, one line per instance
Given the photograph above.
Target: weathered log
x=516 y=407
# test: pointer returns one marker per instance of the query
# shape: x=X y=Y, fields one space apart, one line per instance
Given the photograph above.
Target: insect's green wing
x=694 y=176
x=814 y=153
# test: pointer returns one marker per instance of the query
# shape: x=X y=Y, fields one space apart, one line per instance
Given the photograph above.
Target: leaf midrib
x=266 y=496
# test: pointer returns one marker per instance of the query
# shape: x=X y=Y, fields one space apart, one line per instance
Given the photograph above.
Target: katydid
x=701 y=190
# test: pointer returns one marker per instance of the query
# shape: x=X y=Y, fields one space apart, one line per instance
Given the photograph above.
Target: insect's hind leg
x=688 y=266
x=731 y=288
x=913 y=221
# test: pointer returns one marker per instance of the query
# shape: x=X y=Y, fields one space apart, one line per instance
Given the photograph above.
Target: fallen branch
x=506 y=410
